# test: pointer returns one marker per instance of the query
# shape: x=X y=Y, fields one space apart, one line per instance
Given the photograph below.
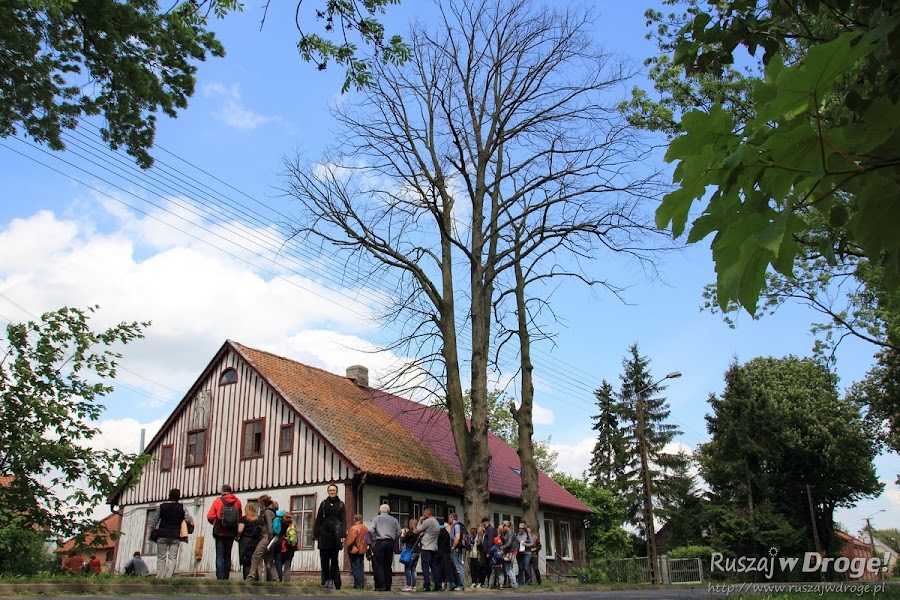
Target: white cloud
x=233 y=112
x=195 y=296
x=124 y=434
x=574 y=459
x=542 y=416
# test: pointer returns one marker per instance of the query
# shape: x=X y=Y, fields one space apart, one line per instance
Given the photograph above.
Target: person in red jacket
x=223 y=532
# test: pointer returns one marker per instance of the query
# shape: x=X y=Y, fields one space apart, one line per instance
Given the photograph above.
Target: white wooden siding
x=311 y=460
x=134 y=519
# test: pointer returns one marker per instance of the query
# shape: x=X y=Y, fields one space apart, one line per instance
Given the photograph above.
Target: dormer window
x=228 y=377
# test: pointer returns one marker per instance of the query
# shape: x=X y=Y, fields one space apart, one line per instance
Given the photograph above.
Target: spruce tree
x=609 y=454
x=637 y=378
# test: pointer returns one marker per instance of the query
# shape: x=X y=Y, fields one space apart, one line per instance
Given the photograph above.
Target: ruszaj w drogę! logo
x=813 y=562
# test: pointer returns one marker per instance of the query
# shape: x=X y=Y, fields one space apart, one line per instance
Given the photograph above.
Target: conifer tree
x=637 y=378
x=609 y=454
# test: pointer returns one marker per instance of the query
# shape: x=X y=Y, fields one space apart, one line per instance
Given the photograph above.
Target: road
x=879 y=591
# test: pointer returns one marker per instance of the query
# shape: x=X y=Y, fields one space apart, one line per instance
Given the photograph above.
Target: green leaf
x=802 y=87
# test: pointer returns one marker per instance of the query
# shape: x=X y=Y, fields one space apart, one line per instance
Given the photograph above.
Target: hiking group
x=497 y=557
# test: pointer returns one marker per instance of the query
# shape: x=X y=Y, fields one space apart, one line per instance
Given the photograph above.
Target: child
x=495 y=558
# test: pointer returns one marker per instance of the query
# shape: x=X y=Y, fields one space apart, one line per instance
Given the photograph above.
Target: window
x=565 y=542
x=165 y=457
x=400 y=507
x=196 y=448
x=253 y=439
x=303 y=509
x=499 y=518
x=149 y=547
x=286 y=439
x=549 y=550
x=228 y=377
x=438 y=507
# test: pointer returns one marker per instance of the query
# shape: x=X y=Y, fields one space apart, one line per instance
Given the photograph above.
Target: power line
x=172 y=181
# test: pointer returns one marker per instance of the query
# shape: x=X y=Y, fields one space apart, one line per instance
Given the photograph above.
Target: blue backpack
x=276 y=522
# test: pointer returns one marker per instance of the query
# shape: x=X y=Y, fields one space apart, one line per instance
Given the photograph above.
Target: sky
x=196 y=246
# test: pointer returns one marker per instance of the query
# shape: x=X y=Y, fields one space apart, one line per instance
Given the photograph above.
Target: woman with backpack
x=169 y=517
x=249 y=532
x=288 y=546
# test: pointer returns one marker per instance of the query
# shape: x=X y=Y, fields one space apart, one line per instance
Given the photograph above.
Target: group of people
x=499 y=550
x=443 y=547
x=267 y=540
x=266 y=536
x=74 y=564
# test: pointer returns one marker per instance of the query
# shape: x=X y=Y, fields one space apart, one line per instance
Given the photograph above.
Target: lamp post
x=872 y=537
x=645 y=473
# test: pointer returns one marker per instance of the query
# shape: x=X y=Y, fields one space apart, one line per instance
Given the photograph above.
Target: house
x=851 y=548
x=267 y=424
x=105 y=550
x=888 y=554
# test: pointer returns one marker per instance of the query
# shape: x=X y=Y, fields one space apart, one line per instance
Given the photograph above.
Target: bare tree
x=491 y=161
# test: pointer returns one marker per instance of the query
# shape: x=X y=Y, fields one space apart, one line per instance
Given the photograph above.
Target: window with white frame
x=547 y=542
x=400 y=507
x=565 y=541
x=303 y=509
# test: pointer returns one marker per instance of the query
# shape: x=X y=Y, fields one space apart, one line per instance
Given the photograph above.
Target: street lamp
x=645 y=474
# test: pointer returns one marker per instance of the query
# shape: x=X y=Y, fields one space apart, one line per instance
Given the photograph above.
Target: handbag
x=183 y=533
x=407 y=553
x=154 y=535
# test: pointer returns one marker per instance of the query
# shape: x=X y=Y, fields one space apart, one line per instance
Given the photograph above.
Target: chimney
x=359 y=374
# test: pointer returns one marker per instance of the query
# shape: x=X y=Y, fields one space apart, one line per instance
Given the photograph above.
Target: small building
x=263 y=423
x=851 y=548
x=105 y=548
x=888 y=554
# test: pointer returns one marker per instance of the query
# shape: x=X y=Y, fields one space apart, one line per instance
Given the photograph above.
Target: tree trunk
x=531 y=495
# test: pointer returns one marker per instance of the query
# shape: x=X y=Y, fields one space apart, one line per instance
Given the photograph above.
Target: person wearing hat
x=490 y=532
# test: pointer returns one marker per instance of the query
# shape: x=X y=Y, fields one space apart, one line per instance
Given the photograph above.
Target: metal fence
x=680 y=570
x=637 y=570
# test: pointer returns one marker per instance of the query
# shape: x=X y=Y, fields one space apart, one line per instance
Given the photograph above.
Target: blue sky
x=82 y=242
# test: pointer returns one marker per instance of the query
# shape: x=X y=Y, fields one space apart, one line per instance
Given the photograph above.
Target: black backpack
x=230 y=518
x=465 y=540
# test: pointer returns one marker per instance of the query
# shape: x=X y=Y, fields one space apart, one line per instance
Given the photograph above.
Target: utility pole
x=648 y=494
x=872 y=537
x=649 y=527
x=815 y=528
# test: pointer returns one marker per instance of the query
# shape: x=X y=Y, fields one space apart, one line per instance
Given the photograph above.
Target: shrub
x=590 y=574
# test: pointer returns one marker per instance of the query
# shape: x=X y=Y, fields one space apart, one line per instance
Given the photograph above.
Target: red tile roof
x=432 y=426
x=112 y=523
x=346 y=417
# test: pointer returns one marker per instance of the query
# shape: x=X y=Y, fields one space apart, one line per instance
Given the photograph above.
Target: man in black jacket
x=490 y=532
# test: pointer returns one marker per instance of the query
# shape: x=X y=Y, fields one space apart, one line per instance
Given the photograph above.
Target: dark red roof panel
x=432 y=426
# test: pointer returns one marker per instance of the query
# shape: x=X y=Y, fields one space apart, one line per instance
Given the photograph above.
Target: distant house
x=105 y=552
x=267 y=424
x=852 y=547
x=888 y=554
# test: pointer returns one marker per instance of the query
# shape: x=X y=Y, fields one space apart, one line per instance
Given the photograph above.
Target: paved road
x=704 y=591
